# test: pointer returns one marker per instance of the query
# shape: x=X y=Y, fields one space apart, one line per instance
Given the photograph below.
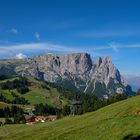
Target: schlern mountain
x=76 y=72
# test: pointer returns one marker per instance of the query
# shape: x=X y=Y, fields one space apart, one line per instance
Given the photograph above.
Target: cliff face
x=77 y=72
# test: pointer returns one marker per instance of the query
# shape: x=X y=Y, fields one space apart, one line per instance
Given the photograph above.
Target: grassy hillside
x=113 y=122
x=37 y=94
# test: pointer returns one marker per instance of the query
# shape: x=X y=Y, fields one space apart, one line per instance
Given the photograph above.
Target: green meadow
x=37 y=94
x=113 y=122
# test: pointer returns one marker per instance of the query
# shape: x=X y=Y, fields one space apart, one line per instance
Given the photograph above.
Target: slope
x=113 y=122
x=39 y=92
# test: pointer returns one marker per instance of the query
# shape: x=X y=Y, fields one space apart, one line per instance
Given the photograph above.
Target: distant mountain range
x=76 y=72
x=134 y=81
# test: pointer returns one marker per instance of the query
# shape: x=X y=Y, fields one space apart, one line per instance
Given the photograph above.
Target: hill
x=113 y=122
x=39 y=92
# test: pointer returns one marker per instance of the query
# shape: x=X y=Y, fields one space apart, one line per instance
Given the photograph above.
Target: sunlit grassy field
x=37 y=94
x=113 y=122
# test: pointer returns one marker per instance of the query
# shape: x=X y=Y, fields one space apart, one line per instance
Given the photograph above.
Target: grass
x=3 y=105
x=112 y=122
x=37 y=94
x=2 y=120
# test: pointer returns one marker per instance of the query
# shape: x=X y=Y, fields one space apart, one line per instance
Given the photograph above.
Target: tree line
x=12 y=115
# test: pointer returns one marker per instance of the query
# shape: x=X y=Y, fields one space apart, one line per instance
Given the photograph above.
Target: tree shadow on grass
x=131 y=137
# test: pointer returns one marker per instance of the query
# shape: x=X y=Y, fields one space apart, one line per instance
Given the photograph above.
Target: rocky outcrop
x=77 y=72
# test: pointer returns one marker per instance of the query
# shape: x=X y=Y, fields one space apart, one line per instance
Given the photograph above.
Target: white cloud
x=14 y=31
x=114 y=46
x=20 y=56
x=8 y=51
x=37 y=35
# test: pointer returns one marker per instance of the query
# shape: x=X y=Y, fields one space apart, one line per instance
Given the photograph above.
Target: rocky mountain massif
x=72 y=71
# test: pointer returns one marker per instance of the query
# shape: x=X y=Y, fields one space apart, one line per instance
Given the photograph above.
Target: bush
x=20 y=100
x=3 y=77
x=22 y=90
x=8 y=121
x=19 y=119
x=66 y=110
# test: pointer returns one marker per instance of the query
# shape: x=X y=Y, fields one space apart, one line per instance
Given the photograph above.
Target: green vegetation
x=113 y=122
x=3 y=105
x=12 y=115
x=19 y=90
x=46 y=110
x=49 y=97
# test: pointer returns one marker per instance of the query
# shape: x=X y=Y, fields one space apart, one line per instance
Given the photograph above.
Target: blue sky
x=99 y=27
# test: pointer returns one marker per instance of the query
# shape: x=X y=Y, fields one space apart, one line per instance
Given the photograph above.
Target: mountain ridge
x=76 y=71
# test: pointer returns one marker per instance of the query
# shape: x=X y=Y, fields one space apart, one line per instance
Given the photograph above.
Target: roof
x=28 y=116
x=40 y=117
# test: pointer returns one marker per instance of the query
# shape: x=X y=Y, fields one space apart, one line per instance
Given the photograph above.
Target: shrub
x=1 y=123
x=19 y=119
x=8 y=121
x=20 y=100
x=22 y=90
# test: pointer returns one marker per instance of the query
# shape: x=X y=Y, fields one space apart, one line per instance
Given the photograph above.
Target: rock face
x=77 y=72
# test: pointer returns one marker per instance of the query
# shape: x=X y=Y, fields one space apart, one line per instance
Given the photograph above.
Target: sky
x=98 y=27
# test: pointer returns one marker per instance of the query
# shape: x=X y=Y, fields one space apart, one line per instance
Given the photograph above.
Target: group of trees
x=21 y=85
x=14 y=112
x=41 y=109
x=4 y=99
x=17 y=99
x=89 y=102
x=3 y=77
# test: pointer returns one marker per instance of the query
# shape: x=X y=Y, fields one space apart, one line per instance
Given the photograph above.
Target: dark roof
x=28 y=117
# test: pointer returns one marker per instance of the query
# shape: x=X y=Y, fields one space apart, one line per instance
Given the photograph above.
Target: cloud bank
x=9 y=51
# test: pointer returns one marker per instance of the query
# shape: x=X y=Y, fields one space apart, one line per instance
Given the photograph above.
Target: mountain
x=134 y=81
x=74 y=71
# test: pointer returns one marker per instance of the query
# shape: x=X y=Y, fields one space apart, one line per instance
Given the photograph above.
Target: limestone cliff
x=76 y=72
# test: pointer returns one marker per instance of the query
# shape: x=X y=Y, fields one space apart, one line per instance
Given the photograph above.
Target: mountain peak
x=107 y=59
x=99 y=61
x=75 y=71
